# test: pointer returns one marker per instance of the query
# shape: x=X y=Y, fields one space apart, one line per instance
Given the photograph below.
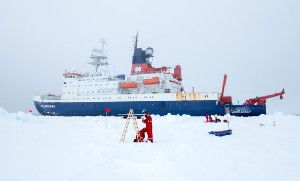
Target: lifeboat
x=152 y=81
x=71 y=74
x=128 y=85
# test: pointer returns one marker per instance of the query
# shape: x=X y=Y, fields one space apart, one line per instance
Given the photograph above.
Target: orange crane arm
x=262 y=100
x=225 y=99
x=223 y=85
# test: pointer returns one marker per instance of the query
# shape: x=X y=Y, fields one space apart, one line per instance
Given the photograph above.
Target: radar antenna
x=98 y=58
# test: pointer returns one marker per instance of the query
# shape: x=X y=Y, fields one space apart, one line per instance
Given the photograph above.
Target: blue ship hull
x=193 y=108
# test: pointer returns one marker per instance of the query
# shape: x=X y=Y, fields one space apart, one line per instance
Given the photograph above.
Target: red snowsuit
x=148 y=130
x=148 y=122
x=208 y=118
x=140 y=136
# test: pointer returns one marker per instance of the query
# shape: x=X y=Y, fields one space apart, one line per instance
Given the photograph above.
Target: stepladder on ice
x=130 y=118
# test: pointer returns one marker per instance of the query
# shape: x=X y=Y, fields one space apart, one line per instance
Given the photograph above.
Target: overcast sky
x=256 y=42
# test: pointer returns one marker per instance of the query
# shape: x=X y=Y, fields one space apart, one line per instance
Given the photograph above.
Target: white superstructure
x=159 y=84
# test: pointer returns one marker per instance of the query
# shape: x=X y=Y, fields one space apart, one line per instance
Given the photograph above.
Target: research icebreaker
x=157 y=90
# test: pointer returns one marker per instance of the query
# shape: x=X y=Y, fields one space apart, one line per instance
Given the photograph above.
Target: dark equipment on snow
x=221 y=133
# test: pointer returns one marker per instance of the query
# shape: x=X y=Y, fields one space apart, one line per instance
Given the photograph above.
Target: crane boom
x=225 y=99
x=223 y=85
x=263 y=99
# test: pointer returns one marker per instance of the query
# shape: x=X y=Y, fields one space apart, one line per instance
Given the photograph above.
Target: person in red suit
x=208 y=118
x=148 y=129
x=148 y=122
x=140 y=135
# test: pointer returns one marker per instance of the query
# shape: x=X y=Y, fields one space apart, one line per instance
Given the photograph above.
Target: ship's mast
x=136 y=41
x=98 y=58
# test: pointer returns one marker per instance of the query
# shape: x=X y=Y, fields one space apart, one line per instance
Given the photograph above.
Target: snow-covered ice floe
x=88 y=148
x=3 y=111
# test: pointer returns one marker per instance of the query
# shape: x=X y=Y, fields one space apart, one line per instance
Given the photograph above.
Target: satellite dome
x=149 y=51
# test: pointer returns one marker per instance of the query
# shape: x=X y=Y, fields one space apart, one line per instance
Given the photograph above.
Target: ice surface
x=87 y=148
x=3 y=111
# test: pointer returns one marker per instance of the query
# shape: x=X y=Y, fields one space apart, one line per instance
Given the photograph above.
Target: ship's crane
x=225 y=99
x=262 y=100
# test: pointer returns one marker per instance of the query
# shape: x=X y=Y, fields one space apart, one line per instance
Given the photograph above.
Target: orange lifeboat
x=152 y=81
x=71 y=74
x=128 y=85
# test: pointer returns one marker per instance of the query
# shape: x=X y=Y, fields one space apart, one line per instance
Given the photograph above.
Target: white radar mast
x=99 y=59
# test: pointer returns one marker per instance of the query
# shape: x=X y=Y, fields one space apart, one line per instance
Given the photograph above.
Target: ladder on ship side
x=133 y=118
